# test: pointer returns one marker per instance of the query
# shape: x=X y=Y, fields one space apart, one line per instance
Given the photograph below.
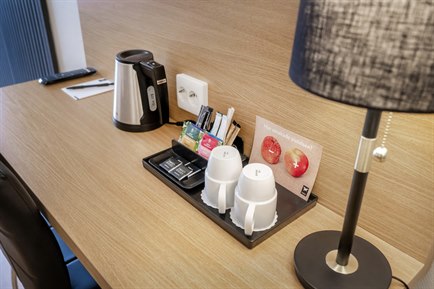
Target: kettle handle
x=150 y=69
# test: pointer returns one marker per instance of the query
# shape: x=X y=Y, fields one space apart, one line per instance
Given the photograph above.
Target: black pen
x=90 y=85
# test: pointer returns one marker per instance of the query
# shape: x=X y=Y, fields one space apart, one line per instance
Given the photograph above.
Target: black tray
x=289 y=206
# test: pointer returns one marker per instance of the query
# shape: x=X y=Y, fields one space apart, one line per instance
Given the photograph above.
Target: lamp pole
x=360 y=177
x=340 y=260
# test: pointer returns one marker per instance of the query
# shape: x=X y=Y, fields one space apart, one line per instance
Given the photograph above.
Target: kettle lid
x=134 y=56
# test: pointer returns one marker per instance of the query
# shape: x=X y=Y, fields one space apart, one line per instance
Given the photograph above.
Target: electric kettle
x=141 y=100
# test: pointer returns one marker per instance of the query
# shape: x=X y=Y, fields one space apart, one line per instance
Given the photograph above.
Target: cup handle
x=249 y=222
x=222 y=199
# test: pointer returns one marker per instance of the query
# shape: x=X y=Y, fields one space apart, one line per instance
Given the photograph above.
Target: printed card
x=294 y=159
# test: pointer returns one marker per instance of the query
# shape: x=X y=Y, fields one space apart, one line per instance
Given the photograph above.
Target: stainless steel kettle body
x=140 y=92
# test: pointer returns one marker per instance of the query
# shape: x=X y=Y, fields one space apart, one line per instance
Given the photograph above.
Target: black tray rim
x=221 y=220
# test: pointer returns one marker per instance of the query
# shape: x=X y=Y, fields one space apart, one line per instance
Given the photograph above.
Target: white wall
x=66 y=30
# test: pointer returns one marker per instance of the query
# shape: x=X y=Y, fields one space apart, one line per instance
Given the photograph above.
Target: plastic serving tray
x=289 y=206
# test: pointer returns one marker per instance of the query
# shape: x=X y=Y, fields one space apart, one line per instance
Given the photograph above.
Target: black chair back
x=26 y=239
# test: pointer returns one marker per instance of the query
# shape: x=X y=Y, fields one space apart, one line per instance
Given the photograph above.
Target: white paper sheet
x=81 y=93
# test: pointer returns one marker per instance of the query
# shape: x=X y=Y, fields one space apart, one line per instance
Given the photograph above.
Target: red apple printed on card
x=296 y=162
x=293 y=158
x=270 y=150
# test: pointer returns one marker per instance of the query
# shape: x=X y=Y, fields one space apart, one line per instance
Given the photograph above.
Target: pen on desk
x=90 y=85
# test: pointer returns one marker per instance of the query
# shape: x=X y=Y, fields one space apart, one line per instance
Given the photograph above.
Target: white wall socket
x=191 y=93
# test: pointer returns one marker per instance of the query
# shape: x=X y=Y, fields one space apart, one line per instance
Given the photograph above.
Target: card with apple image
x=294 y=159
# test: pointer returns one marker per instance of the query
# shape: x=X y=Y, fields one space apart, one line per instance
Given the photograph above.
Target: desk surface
x=127 y=227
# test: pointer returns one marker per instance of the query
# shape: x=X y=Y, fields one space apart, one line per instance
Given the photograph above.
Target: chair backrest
x=26 y=239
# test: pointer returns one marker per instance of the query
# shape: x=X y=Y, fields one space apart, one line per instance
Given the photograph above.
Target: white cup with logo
x=221 y=177
x=255 y=200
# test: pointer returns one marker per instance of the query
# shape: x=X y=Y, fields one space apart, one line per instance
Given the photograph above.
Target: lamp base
x=314 y=271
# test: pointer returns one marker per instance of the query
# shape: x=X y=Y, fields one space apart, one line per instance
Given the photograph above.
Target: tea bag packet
x=185 y=170
x=190 y=135
x=207 y=143
x=171 y=163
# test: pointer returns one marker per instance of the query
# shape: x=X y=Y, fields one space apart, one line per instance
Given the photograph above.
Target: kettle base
x=135 y=127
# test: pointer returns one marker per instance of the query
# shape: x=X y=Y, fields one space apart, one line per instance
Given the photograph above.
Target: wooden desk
x=127 y=227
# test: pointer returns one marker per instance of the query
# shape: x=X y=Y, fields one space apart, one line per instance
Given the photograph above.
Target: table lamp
x=377 y=55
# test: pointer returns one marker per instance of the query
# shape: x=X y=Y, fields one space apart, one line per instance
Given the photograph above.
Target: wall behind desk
x=242 y=49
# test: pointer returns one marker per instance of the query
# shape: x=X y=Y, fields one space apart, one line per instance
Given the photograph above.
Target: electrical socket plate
x=191 y=93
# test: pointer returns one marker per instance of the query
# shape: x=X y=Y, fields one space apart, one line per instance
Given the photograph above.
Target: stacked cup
x=249 y=191
x=221 y=177
x=255 y=199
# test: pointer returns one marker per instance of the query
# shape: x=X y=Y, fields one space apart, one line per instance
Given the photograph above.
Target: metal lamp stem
x=341 y=259
x=360 y=176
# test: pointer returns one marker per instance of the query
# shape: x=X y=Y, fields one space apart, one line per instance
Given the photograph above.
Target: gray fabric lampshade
x=370 y=53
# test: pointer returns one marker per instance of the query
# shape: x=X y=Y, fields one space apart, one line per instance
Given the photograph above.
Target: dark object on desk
x=179 y=151
x=289 y=206
x=90 y=85
x=62 y=76
x=376 y=55
x=30 y=246
x=145 y=107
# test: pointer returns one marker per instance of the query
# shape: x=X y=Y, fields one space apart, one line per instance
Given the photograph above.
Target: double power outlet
x=191 y=93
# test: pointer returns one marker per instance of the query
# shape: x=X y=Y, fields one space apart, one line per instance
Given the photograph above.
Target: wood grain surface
x=131 y=229
x=242 y=49
x=127 y=227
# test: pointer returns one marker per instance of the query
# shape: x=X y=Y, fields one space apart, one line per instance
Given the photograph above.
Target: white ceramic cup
x=256 y=183
x=219 y=194
x=224 y=163
x=255 y=199
x=221 y=177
